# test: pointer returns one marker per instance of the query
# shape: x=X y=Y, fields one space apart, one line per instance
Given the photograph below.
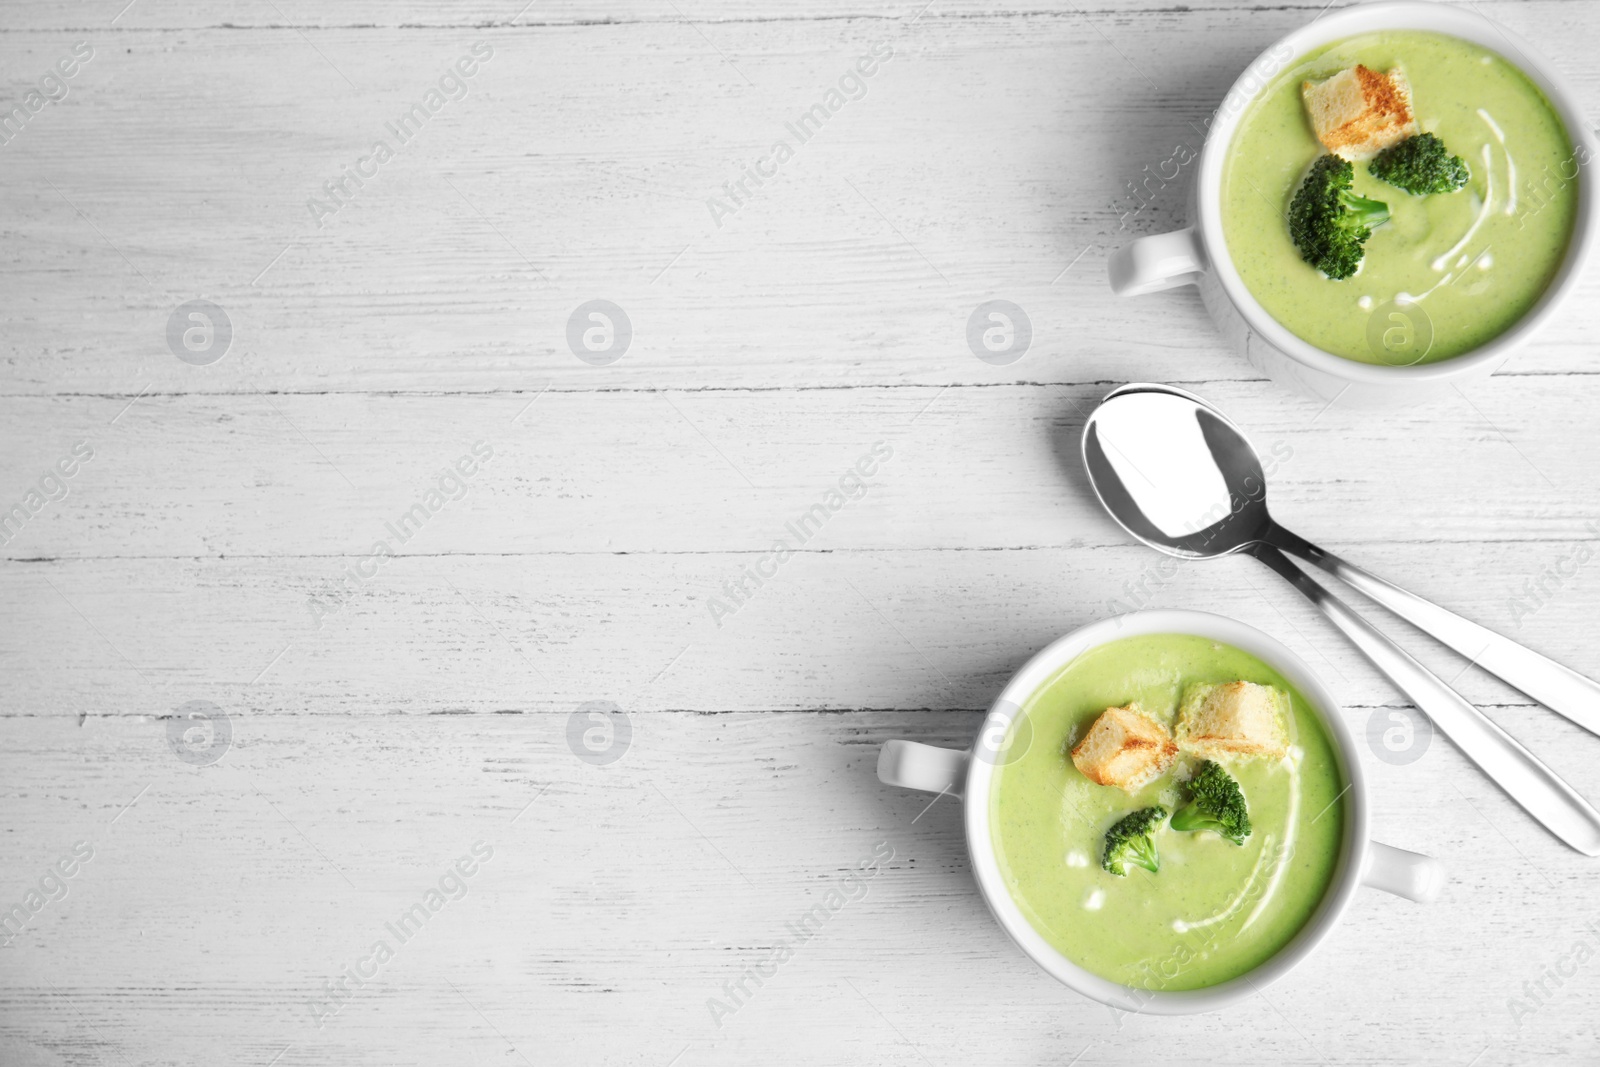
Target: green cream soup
x=1215 y=910
x=1474 y=261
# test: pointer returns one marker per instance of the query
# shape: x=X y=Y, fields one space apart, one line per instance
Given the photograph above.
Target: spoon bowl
x=1175 y=472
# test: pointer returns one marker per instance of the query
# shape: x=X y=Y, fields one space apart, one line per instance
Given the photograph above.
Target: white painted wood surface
x=429 y=709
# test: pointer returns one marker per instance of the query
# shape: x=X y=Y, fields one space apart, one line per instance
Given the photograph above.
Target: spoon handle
x=1540 y=791
x=1561 y=689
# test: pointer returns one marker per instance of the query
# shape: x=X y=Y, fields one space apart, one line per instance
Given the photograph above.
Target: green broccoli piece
x=1328 y=222
x=1215 y=803
x=1421 y=165
x=1132 y=840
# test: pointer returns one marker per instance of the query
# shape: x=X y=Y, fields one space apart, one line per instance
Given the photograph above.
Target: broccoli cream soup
x=1473 y=260
x=1214 y=909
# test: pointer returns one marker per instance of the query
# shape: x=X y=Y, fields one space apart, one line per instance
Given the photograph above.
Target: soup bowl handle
x=1151 y=264
x=910 y=765
x=1405 y=874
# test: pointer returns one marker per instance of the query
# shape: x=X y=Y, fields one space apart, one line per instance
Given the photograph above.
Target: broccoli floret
x=1421 y=165
x=1132 y=839
x=1328 y=222
x=1216 y=803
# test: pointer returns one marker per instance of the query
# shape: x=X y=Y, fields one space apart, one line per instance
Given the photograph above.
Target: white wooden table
x=368 y=736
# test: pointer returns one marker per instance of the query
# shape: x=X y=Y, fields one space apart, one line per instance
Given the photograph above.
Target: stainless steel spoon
x=1179 y=476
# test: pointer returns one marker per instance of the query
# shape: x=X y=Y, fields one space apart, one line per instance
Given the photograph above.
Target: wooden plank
x=939 y=629
x=329 y=475
x=621 y=898
x=975 y=167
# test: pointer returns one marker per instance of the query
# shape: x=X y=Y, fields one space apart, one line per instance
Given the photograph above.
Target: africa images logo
x=852 y=85
x=451 y=886
x=452 y=85
x=52 y=89
x=453 y=484
x=851 y=487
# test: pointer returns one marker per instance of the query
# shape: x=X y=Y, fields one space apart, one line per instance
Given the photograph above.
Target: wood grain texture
x=619 y=899
x=978 y=164
x=382 y=725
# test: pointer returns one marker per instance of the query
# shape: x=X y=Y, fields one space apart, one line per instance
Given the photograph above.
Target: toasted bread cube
x=1358 y=112
x=1234 y=719
x=1125 y=748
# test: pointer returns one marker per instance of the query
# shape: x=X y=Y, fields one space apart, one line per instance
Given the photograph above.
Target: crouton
x=1358 y=112
x=1234 y=719
x=1124 y=748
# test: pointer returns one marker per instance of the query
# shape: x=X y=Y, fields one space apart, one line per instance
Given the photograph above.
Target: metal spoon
x=1177 y=475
